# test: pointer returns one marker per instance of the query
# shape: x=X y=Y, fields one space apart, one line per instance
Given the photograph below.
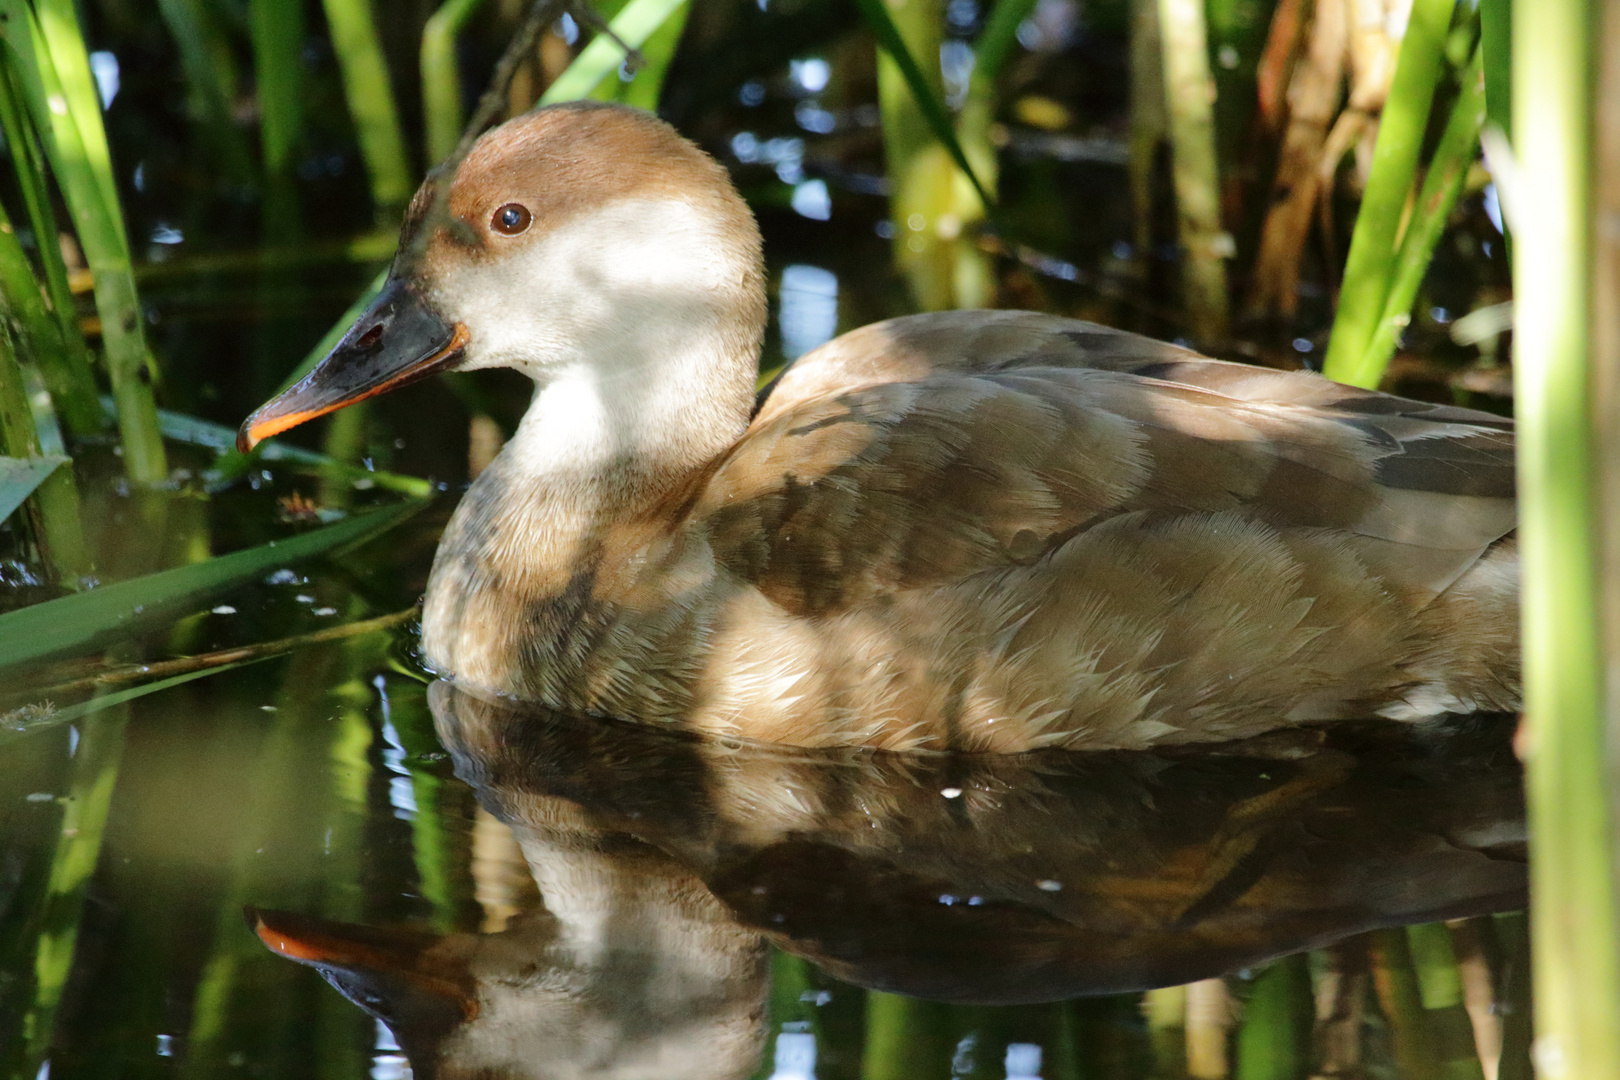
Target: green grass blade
x=81 y=622
x=442 y=112
x=634 y=25
x=54 y=75
x=933 y=107
x=1442 y=186
x=20 y=476
x=371 y=102
x=1370 y=268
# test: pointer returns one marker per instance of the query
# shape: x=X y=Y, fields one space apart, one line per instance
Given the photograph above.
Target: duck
x=980 y=531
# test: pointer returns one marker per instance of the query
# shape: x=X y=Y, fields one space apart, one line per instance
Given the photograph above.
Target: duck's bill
x=399 y=340
x=373 y=966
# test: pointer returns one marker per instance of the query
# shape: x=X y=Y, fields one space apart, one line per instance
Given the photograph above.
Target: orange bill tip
x=268 y=420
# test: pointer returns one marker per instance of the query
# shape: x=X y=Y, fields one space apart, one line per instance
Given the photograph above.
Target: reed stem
x=905 y=1038
x=1190 y=94
x=1369 y=269
x=1572 y=887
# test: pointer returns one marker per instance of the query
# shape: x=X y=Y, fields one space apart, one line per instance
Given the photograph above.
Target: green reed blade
x=83 y=621
x=634 y=25
x=934 y=112
x=1442 y=186
x=1573 y=911
x=1369 y=270
x=371 y=102
x=934 y=202
x=212 y=82
x=442 y=112
x=54 y=75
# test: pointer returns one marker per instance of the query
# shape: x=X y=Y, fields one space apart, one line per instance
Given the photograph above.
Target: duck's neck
x=605 y=444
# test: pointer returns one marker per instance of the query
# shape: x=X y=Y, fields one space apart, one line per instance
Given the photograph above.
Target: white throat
x=639 y=323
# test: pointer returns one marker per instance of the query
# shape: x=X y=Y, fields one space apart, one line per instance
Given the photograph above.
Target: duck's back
x=999 y=530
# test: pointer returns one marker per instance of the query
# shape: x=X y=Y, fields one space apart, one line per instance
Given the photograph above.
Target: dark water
x=321 y=865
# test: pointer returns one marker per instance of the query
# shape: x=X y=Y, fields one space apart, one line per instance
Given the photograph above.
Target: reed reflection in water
x=666 y=863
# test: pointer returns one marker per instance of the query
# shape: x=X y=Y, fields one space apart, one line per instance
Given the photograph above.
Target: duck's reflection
x=664 y=862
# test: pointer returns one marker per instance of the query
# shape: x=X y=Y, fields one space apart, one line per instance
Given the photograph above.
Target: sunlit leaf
x=634 y=25
x=20 y=476
x=933 y=109
x=75 y=623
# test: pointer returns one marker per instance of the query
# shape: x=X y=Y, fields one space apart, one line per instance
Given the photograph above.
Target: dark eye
x=511 y=219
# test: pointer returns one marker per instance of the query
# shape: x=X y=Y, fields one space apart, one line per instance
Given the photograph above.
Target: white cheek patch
x=597 y=287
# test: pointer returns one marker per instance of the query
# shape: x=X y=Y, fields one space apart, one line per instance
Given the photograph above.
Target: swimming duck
x=976 y=530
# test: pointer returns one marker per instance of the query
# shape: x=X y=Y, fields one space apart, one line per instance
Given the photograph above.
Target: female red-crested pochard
x=982 y=530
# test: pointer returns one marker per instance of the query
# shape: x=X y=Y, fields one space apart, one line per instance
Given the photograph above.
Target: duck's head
x=581 y=240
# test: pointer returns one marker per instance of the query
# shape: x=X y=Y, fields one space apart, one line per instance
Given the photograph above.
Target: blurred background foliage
x=196 y=191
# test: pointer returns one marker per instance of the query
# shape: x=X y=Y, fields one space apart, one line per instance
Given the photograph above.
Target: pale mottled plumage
x=998 y=530
x=977 y=530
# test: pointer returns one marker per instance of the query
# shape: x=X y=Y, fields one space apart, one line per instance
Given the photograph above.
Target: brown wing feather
x=901 y=435
x=1107 y=539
